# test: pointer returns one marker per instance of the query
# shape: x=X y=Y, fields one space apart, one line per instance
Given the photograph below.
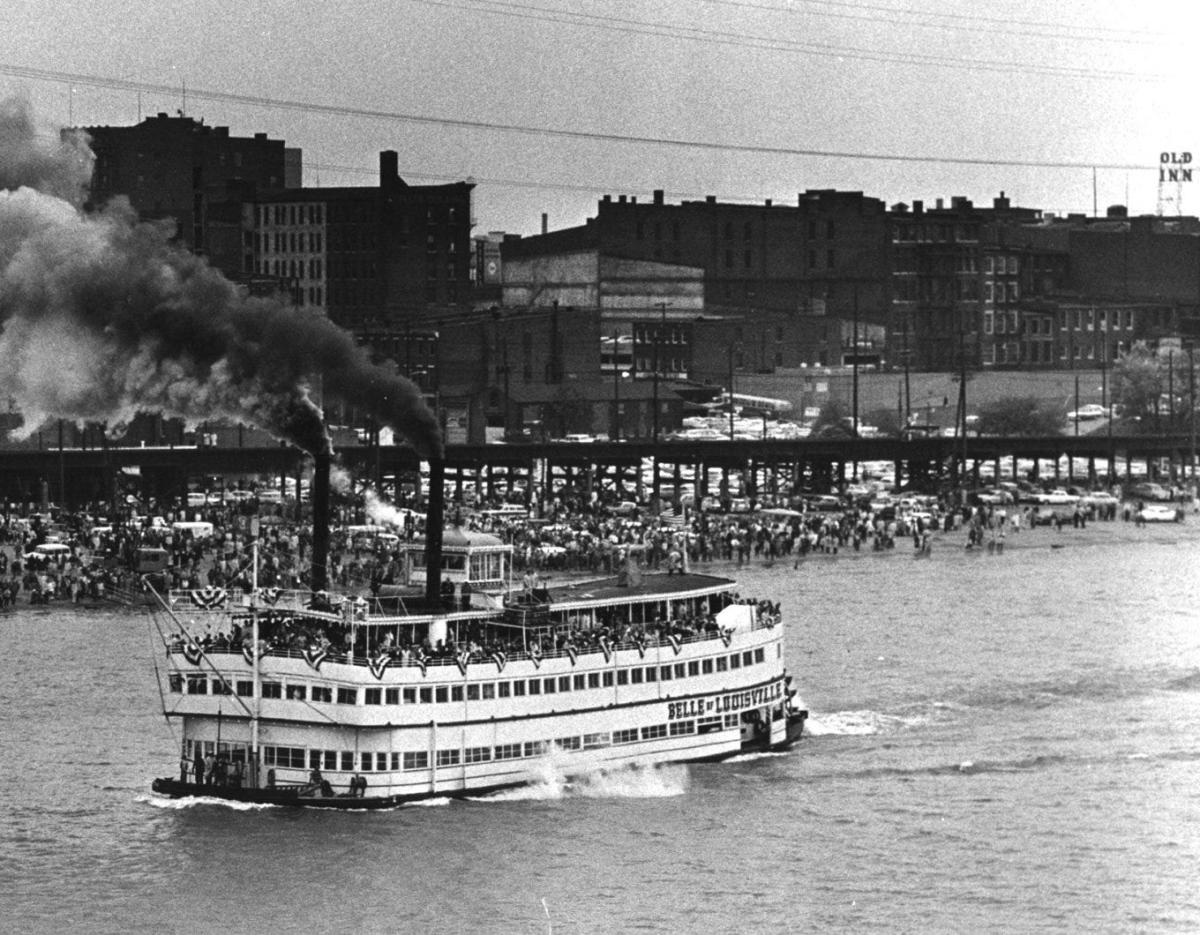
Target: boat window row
x=198 y=684
x=348 y=761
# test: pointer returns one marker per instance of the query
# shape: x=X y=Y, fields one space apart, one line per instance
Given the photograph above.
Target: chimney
x=939 y=204
x=545 y=222
x=658 y=196
x=918 y=207
x=768 y=202
x=434 y=520
x=389 y=167
x=320 y=521
x=620 y=199
x=1001 y=203
x=710 y=199
x=1116 y=211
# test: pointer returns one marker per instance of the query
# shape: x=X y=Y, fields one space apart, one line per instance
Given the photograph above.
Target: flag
x=271 y=596
x=605 y=648
x=379 y=664
x=499 y=658
x=672 y=517
x=572 y=652
x=208 y=598
x=315 y=655
x=676 y=644
x=463 y=659
x=420 y=660
x=641 y=645
x=535 y=654
x=192 y=653
x=248 y=653
x=727 y=635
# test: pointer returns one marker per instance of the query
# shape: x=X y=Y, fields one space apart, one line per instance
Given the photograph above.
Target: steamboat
x=465 y=686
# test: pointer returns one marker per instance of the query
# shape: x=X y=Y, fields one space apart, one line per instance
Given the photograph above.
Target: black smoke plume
x=103 y=317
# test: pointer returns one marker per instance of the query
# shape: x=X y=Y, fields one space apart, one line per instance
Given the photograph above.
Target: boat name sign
x=723 y=703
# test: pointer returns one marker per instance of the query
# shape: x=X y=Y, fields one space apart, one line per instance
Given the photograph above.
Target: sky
x=548 y=105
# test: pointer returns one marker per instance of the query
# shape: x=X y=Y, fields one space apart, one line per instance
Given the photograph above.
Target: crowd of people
x=99 y=552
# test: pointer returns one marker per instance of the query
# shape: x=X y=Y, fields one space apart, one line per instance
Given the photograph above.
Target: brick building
x=180 y=169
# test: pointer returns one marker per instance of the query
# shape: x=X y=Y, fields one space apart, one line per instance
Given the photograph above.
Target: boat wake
x=551 y=783
x=193 y=801
x=857 y=723
x=750 y=757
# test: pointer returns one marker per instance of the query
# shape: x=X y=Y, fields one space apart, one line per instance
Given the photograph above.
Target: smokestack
x=545 y=222
x=434 y=520
x=320 y=521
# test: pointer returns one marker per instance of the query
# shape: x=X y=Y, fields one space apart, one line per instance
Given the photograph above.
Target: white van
x=198 y=530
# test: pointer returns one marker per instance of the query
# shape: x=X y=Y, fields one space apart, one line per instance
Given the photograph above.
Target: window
x=748 y=658
x=680 y=670
x=622 y=676
x=489 y=691
x=535 y=687
x=347 y=696
x=731 y=720
x=272 y=689
x=568 y=743
x=536 y=747
x=322 y=693
x=549 y=686
x=347 y=761
x=651 y=673
x=372 y=696
x=441 y=694
x=735 y=661
x=760 y=655
x=197 y=685
x=593 y=680
x=477 y=755
x=722 y=664
x=706 y=666
x=678 y=728
x=636 y=676
x=508 y=751
x=580 y=683
x=447 y=758
x=658 y=730
x=505 y=689
x=456 y=693
x=296 y=692
x=829 y=259
x=625 y=736
x=472 y=692
x=367 y=760
x=176 y=682
x=595 y=741
x=606 y=678
x=391 y=696
x=664 y=674
x=416 y=760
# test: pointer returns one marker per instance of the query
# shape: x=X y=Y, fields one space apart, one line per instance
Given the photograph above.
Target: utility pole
x=854 y=361
x=662 y=306
x=616 y=388
x=907 y=388
x=731 y=392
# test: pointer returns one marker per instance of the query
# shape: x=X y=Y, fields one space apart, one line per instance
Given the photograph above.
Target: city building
x=180 y=169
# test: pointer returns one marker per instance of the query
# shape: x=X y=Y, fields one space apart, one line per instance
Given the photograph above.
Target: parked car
x=1087 y=412
x=1159 y=513
x=1148 y=490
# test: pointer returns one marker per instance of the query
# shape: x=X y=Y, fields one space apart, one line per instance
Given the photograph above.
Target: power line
x=224 y=97
x=776 y=44
x=960 y=21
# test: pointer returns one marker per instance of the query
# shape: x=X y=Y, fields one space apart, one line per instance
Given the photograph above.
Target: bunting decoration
x=500 y=659
x=463 y=659
x=360 y=608
x=422 y=662
x=606 y=648
x=641 y=646
x=676 y=643
x=315 y=655
x=248 y=653
x=209 y=597
x=572 y=652
x=192 y=653
x=271 y=596
x=770 y=620
x=319 y=601
x=535 y=653
x=379 y=664
x=727 y=635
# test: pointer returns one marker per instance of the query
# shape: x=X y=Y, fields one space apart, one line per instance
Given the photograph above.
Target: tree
x=833 y=422
x=1019 y=415
x=1139 y=377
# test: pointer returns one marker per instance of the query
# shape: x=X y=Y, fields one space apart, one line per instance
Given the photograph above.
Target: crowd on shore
x=97 y=553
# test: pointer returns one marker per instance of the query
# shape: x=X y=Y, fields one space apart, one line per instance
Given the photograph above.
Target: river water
x=1000 y=742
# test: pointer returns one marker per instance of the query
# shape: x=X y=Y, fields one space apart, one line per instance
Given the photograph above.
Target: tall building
x=180 y=169
x=372 y=257
x=825 y=255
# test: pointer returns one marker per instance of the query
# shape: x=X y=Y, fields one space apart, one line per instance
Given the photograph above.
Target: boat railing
x=407 y=658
